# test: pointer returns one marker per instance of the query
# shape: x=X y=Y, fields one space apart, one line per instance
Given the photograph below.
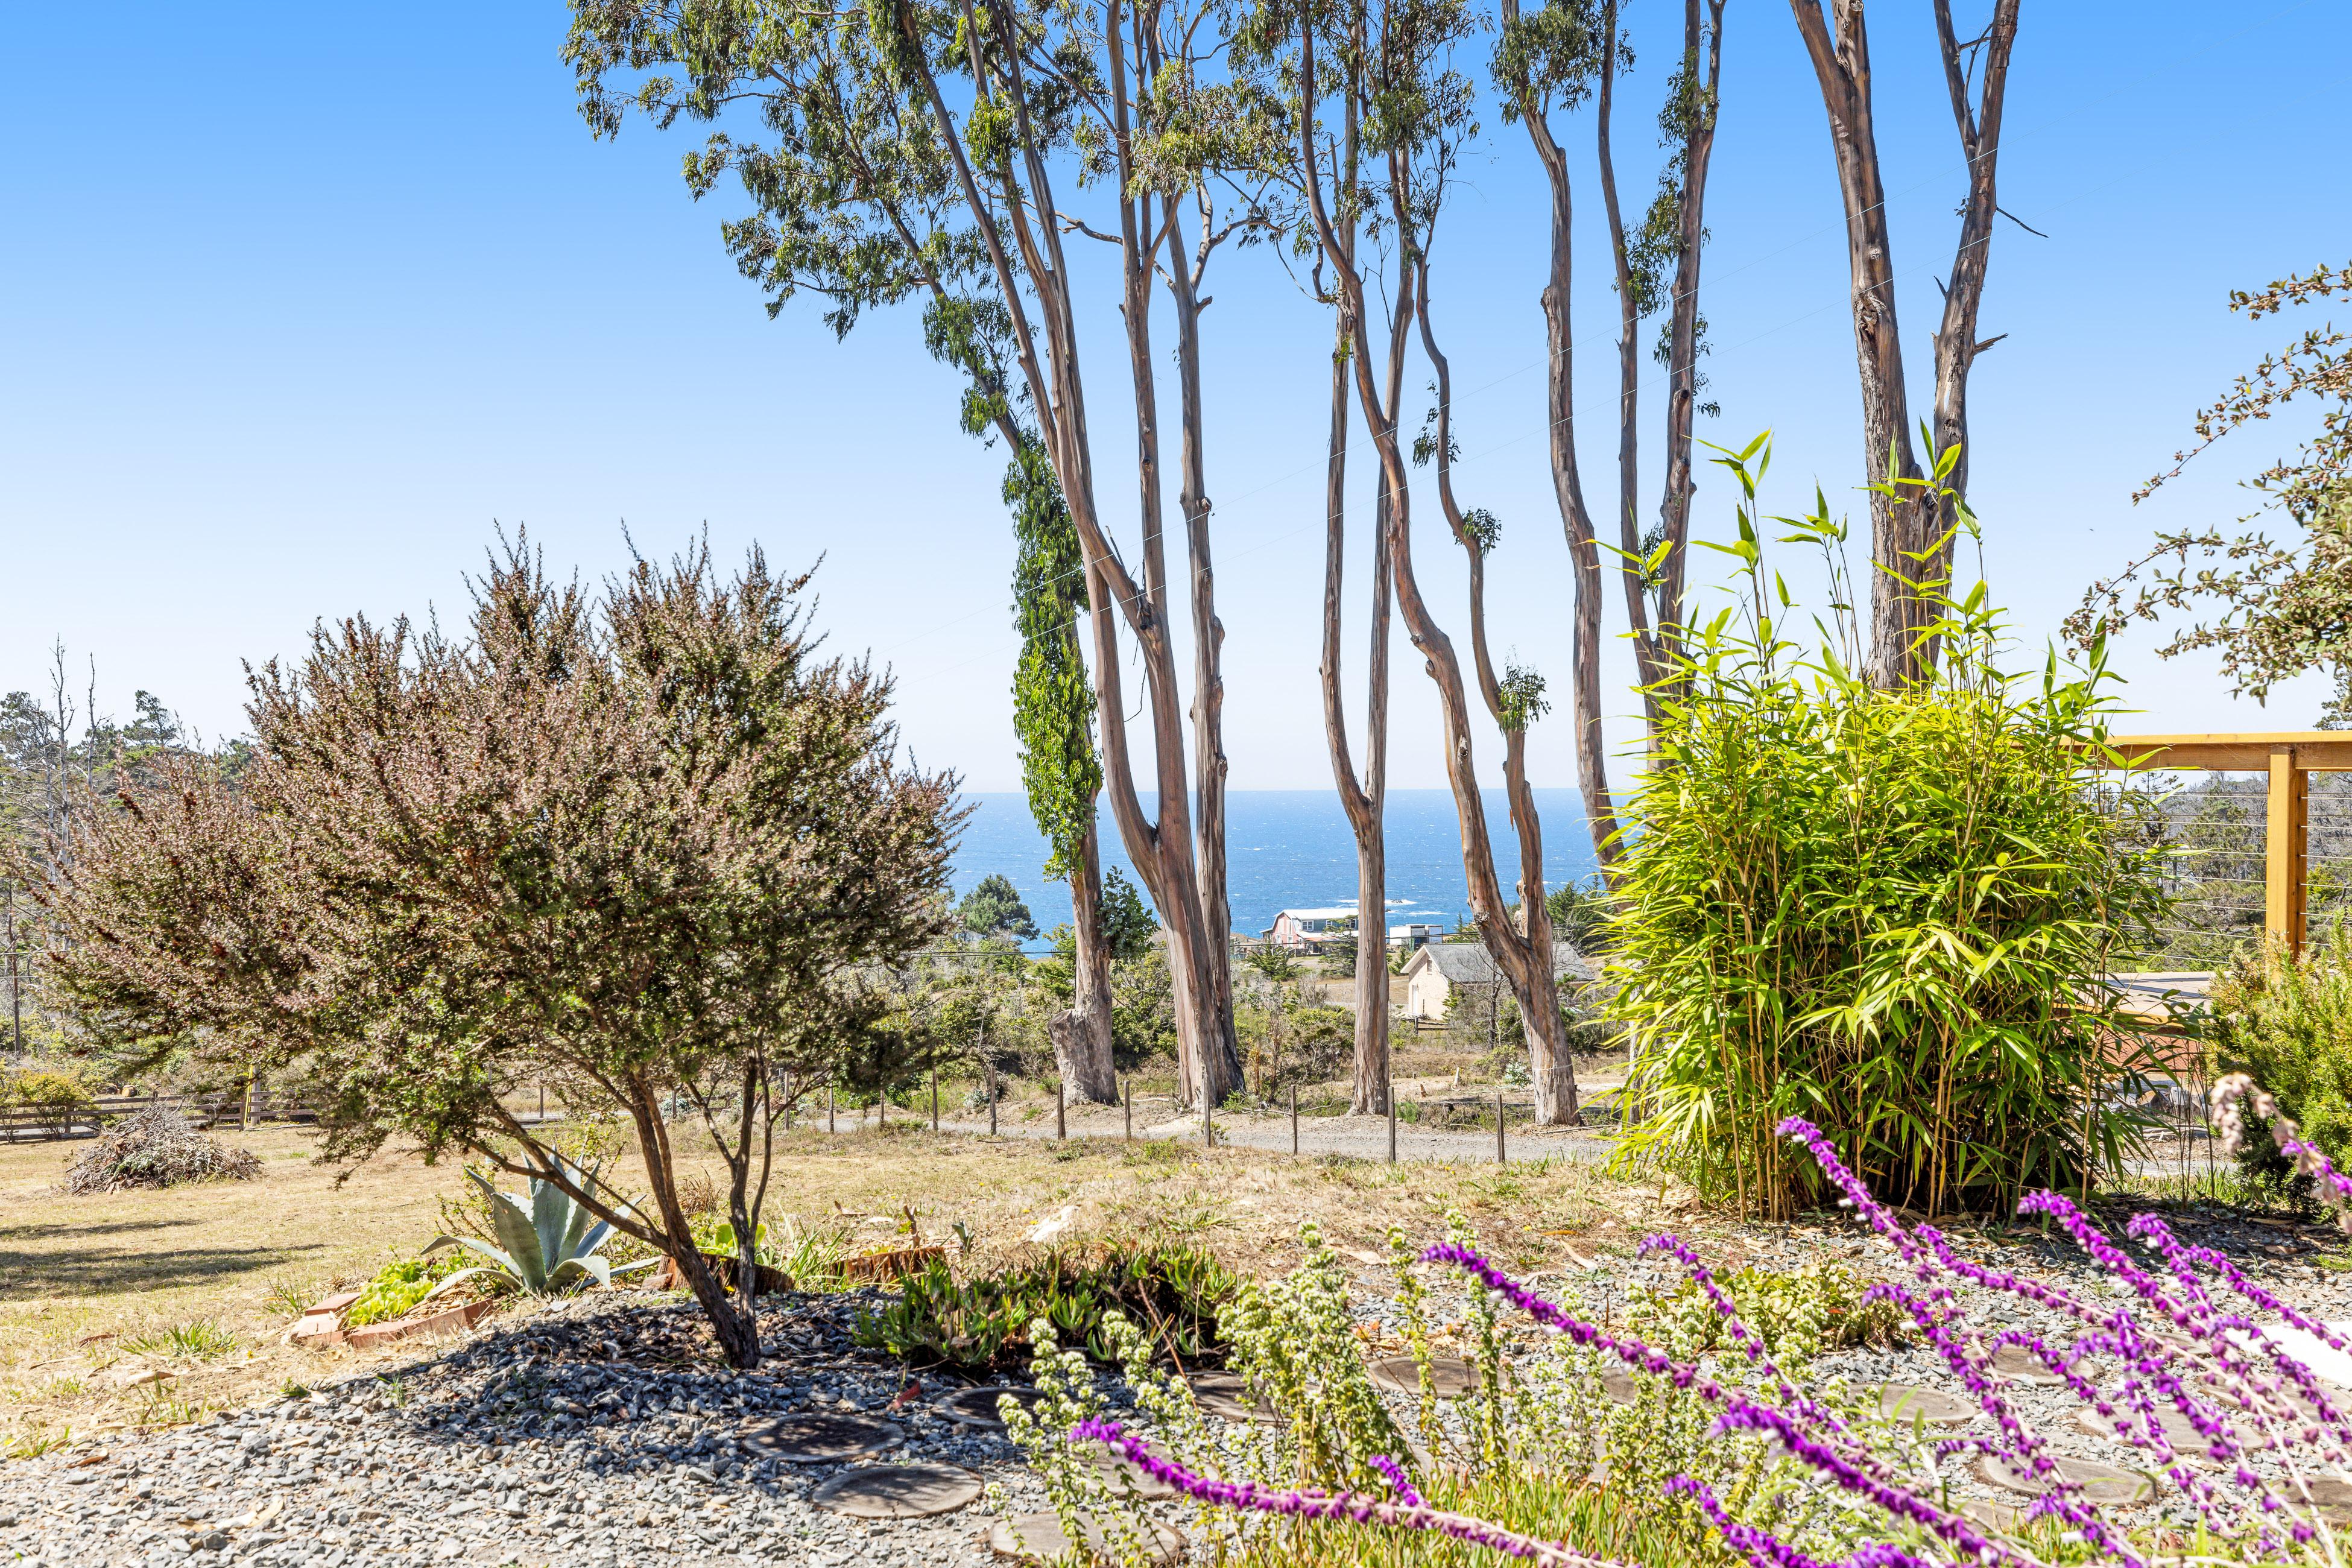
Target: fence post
x=1126 y=1101
x=1208 y=1126
x=989 y=1067
x=828 y=1108
x=1061 y=1108
x=1500 y=1156
x=245 y=1116
x=1294 y=1119
x=935 y=1097
x=1391 y=1119
x=2287 y=839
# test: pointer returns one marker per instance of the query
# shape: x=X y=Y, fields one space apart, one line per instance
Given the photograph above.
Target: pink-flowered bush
x=2182 y=1338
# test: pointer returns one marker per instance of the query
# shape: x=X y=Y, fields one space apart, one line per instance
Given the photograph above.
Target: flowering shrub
x=1745 y=1453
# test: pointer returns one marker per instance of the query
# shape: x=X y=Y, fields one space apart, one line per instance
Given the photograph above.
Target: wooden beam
x=2314 y=750
x=2286 y=837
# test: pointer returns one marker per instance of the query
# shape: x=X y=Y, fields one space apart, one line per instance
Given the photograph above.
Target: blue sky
x=294 y=302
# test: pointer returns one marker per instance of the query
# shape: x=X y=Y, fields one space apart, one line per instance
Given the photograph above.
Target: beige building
x=1432 y=973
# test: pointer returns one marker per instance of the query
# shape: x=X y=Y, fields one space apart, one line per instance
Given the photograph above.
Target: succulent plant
x=546 y=1242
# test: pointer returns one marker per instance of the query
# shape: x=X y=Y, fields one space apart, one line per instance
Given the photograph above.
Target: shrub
x=399 y=1287
x=2286 y=1020
x=1888 y=912
x=1820 y=1307
x=986 y=1323
x=650 y=847
x=156 y=1147
x=58 y=1099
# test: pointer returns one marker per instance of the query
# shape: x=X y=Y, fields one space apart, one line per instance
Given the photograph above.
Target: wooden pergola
x=2290 y=757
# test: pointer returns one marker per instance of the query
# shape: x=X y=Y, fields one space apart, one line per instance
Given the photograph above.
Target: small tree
x=995 y=908
x=649 y=849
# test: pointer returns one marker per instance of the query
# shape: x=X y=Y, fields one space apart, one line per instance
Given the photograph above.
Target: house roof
x=1339 y=911
x=1469 y=962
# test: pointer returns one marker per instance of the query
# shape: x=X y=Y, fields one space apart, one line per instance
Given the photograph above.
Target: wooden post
x=787 y=1098
x=989 y=1068
x=543 y=1103
x=245 y=1117
x=1501 y=1156
x=1392 y=1120
x=1294 y=1119
x=828 y=1108
x=1127 y=1100
x=881 y=1109
x=935 y=1097
x=1208 y=1126
x=1061 y=1108
x=2286 y=836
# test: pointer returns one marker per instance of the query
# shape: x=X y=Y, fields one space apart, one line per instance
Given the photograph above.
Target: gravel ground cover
x=604 y=1429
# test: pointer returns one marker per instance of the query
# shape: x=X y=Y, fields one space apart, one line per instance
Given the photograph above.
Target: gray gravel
x=517 y=1446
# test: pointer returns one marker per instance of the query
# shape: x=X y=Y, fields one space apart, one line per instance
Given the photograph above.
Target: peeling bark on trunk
x=1899 y=525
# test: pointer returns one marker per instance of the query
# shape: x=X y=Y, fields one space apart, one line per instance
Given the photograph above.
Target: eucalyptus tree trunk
x=1956 y=345
x=1364 y=800
x=1524 y=955
x=1702 y=55
x=1081 y=1033
x=1901 y=524
x=1630 y=303
x=1567 y=487
x=1020 y=230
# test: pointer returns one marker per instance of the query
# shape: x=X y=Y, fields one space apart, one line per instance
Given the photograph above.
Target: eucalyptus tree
x=945 y=148
x=1393 y=71
x=1912 y=520
x=1670 y=236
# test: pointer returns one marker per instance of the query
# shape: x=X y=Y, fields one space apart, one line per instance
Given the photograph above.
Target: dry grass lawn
x=89 y=1285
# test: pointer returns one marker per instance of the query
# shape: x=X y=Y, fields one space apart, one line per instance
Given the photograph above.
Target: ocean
x=1293 y=849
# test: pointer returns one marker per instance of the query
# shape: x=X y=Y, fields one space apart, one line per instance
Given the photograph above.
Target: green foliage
x=982 y=1323
x=546 y=1242
x=1887 y=911
x=1802 y=1312
x=1129 y=924
x=1142 y=1009
x=1053 y=696
x=995 y=908
x=1276 y=963
x=57 y=1096
x=2287 y=1021
x=398 y=1287
x=1580 y=915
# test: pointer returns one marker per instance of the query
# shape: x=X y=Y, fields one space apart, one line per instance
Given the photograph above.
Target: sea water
x=1289 y=849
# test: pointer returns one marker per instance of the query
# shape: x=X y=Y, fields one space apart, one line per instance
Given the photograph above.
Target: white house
x=1418 y=934
x=1431 y=974
x=1312 y=928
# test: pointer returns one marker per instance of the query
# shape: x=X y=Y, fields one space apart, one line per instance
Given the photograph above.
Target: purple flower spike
x=1397 y=1478
x=1311 y=1504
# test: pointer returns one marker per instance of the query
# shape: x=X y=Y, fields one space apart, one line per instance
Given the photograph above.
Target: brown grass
x=81 y=1276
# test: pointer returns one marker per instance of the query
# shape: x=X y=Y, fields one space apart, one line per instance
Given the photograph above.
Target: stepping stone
x=2191 y=1445
x=897 y=1491
x=824 y=1439
x=1904 y=1402
x=1620 y=1387
x=2022 y=1365
x=1222 y=1393
x=976 y=1407
x=1450 y=1377
x=1124 y=1475
x=2329 y=1495
x=2099 y=1483
x=1039 y=1538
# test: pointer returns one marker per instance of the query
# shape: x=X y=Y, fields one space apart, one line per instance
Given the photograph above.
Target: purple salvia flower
x=1393 y=1473
x=1312 y=1504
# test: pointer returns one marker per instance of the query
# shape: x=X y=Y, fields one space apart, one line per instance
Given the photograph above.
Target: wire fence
x=2215 y=830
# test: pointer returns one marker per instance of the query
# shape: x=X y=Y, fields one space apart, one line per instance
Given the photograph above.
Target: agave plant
x=548 y=1243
